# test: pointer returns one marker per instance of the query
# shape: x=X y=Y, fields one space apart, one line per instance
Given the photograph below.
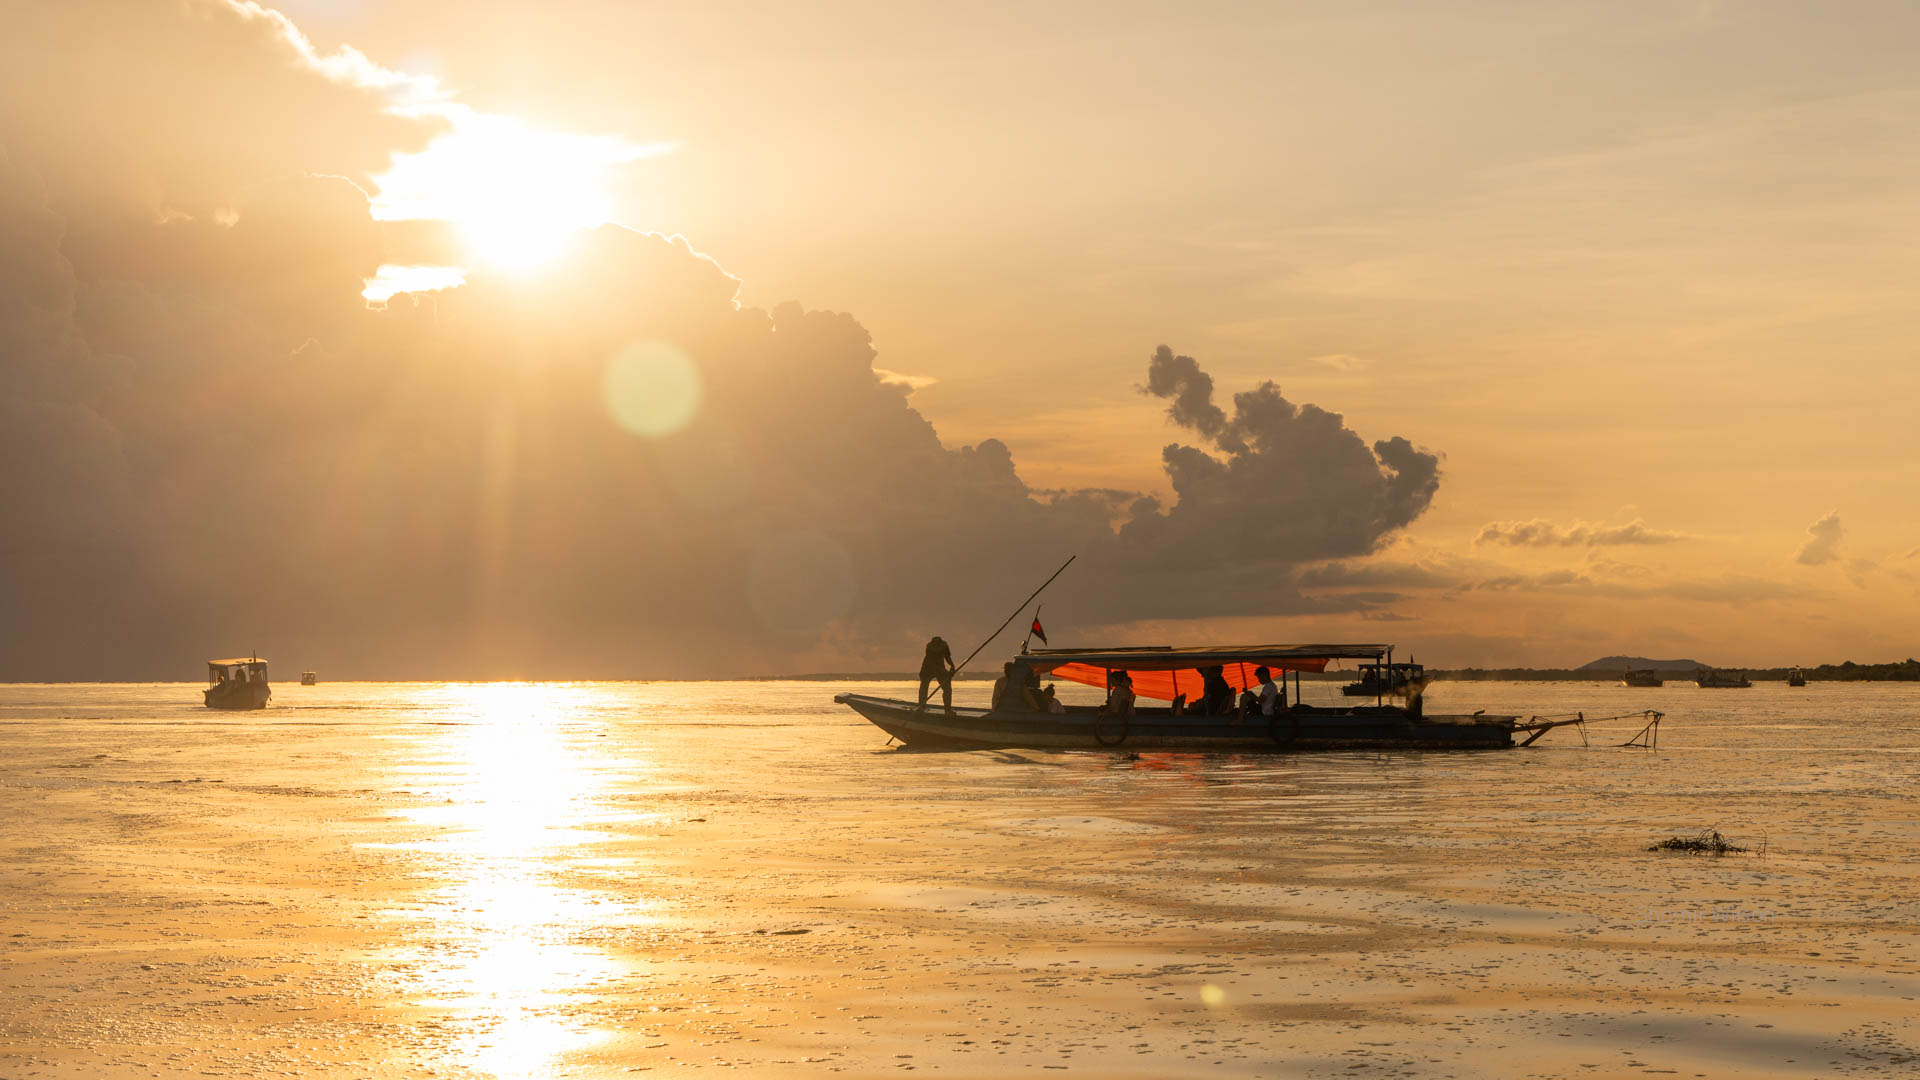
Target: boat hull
x=1366 y=690
x=1374 y=727
x=238 y=695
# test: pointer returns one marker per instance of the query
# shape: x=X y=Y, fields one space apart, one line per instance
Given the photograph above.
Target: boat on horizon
x=309 y=678
x=1385 y=679
x=1641 y=677
x=1168 y=674
x=1796 y=677
x=1719 y=679
x=237 y=684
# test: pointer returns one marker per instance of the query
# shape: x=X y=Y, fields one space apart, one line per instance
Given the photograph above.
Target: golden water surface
x=559 y=880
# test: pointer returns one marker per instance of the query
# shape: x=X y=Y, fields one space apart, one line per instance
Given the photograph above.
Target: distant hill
x=1640 y=663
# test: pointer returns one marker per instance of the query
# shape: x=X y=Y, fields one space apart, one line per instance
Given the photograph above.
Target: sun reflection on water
x=502 y=956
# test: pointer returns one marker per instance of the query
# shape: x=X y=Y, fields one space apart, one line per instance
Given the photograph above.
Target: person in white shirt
x=1120 y=694
x=1272 y=699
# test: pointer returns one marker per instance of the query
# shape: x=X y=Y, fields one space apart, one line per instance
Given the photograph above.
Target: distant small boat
x=1381 y=680
x=1717 y=679
x=1796 y=677
x=308 y=678
x=1643 y=677
x=237 y=684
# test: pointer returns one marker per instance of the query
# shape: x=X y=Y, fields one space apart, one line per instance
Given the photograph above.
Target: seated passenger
x=1272 y=698
x=1050 y=701
x=1018 y=690
x=1119 y=695
x=1031 y=692
x=1216 y=695
x=1000 y=685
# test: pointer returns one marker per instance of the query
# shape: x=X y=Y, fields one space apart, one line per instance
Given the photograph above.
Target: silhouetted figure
x=1001 y=684
x=1018 y=690
x=1216 y=694
x=937 y=664
x=1272 y=698
x=1050 y=700
x=1119 y=695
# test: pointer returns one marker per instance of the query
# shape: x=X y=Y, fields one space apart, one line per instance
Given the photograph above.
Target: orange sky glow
x=594 y=340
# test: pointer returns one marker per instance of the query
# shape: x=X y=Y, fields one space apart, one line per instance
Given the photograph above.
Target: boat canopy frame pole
x=1016 y=613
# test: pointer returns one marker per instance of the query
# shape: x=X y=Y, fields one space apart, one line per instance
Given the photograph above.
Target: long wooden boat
x=1717 y=679
x=237 y=684
x=1167 y=673
x=1641 y=677
x=1367 y=726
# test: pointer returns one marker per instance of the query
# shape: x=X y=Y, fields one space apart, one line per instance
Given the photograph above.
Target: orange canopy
x=1163 y=685
x=1161 y=671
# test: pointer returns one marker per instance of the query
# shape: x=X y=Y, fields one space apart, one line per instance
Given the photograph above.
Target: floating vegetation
x=1709 y=842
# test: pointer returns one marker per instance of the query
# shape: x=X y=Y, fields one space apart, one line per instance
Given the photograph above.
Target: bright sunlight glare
x=391 y=280
x=516 y=194
x=527 y=772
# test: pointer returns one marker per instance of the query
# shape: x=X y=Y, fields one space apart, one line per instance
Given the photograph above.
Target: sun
x=517 y=195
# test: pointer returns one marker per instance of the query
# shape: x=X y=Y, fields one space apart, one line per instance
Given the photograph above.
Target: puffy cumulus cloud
x=132 y=110
x=1189 y=392
x=209 y=443
x=1292 y=484
x=346 y=64
x=1542 y=533
x=1823 y=542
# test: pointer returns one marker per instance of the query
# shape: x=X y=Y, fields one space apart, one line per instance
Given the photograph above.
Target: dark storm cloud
x=208 y=444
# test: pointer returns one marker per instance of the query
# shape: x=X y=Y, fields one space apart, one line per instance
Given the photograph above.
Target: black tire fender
x=1284 y=728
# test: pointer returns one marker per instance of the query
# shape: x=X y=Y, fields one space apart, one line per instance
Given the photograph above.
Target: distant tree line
x=1907 y=670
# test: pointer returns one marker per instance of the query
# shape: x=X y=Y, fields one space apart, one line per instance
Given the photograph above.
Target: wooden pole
x=1016 y=613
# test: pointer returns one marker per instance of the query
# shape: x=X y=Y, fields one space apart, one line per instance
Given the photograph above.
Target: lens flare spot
x=1212 y=996
x=652 y=389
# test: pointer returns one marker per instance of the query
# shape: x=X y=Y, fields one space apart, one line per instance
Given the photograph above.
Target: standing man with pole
x=937 y=664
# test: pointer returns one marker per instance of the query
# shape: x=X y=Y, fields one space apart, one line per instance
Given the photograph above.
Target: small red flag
x=1037 y=632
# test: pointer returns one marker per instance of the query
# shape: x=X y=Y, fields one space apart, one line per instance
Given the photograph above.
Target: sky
x=625 y=340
